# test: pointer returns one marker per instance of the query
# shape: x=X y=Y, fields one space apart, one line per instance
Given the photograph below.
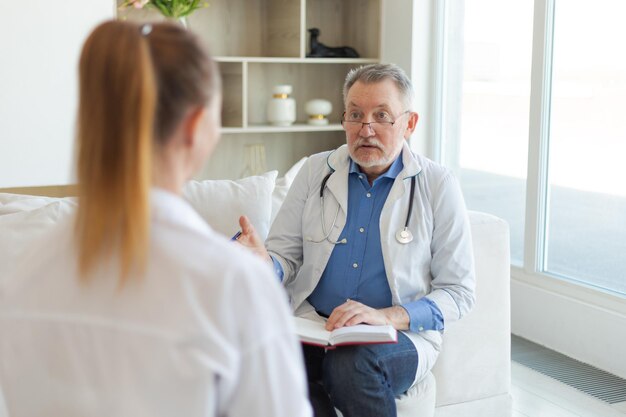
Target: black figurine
x=319 y=50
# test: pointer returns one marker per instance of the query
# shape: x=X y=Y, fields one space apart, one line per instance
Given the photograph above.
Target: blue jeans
x=360 y=380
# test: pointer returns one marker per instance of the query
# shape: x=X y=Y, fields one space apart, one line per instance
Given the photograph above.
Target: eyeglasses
x=382 y=121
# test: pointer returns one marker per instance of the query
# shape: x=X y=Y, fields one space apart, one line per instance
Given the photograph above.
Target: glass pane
x=587 y=179
x=493 y=148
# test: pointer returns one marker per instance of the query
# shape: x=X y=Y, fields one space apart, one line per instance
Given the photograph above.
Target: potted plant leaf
x=172 y=9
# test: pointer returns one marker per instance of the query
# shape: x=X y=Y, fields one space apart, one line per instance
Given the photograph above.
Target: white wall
x=583 y=323
x=405 y=41
x=40 y=42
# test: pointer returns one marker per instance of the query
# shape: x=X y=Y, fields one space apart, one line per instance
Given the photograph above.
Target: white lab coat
x=437 y=264
x=207 y=331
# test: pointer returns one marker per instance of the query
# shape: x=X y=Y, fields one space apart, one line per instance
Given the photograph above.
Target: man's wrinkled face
x=376 y=124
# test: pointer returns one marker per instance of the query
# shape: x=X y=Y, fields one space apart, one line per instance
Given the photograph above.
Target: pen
x=236 y=235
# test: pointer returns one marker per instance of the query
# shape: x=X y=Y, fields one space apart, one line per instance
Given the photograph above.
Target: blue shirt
x=356 y=269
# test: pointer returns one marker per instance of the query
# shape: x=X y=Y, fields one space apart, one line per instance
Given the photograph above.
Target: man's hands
x=352 y=312
x=349 y=313
x=250 y=239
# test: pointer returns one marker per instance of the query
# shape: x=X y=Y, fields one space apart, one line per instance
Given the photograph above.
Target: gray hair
x=374 y=73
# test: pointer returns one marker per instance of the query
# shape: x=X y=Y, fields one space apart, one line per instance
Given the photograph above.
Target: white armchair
x=472 y=375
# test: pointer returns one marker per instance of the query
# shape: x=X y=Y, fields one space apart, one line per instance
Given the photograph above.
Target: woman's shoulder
x=228 y=278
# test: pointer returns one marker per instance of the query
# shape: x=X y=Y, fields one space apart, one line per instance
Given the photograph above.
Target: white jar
x=281 y=109
x=318 y=110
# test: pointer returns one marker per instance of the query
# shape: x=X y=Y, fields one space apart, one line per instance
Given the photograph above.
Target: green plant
x=169 y=8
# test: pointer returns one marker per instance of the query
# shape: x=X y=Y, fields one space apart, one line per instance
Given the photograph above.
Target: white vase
x=281 y=109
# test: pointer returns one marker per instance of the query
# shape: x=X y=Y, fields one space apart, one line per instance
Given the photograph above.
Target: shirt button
x=355 y=265
x=361 y=229
x=368 y=195
x=360 y=177
x=420 y=328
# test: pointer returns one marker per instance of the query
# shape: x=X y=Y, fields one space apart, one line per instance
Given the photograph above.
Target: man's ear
x=192 y=123
x=411 y=125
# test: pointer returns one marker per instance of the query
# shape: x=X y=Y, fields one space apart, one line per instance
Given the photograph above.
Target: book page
x=314 y=332
x=310 y=331
x=363 y=333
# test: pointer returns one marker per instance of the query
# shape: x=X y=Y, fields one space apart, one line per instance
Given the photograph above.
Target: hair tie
x=146 y=29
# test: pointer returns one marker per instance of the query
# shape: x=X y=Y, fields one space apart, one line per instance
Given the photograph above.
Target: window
x=492 y=142
x=569 y=166
x=586 y=230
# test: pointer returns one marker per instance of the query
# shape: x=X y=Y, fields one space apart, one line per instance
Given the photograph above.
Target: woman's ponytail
x=114 y=135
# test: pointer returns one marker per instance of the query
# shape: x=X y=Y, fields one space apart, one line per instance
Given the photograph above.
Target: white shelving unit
x=262 y=43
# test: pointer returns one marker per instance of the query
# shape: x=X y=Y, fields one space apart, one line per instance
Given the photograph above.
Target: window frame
x=533 y=272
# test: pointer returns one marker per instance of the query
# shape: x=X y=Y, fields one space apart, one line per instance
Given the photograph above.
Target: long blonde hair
x=136 y=83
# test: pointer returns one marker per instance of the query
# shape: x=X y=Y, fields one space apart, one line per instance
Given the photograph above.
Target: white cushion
x=20 y=228
x=221 y=202
x=282 y=186
x=23 y=218
x=14 y=203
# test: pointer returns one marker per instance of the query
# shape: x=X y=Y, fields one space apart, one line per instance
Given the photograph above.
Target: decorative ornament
x=318 y=109
x=319 y=50
x=281 y=109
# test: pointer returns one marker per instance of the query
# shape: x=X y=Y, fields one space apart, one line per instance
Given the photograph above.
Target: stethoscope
x=403 y=235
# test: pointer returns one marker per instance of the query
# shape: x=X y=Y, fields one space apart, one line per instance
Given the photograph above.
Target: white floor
x=536 y=395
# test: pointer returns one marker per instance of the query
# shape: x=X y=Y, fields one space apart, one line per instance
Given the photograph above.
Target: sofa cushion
x=221 y=202
x=282 y=186
x=14 y=203
x=23 y=218
x=20 y=228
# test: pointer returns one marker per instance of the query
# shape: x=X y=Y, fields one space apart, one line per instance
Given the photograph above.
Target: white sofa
x=472 y=374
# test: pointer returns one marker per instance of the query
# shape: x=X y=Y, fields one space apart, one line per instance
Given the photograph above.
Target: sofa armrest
x=475 y=361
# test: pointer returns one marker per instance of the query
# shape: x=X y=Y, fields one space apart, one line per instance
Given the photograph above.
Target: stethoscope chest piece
x=404 y=235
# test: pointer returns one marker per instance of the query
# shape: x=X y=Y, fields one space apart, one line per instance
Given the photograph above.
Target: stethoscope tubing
x=327 y=234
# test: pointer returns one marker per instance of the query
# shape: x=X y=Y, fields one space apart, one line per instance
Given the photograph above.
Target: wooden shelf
x=282 y=60
x=297 y=127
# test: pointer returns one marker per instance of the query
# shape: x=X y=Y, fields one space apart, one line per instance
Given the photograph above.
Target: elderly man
x=373 y=233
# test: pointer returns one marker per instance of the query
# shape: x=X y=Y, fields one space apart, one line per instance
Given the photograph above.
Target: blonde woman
x=135 y=307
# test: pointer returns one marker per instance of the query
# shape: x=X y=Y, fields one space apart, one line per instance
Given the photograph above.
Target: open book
x=313 y=333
